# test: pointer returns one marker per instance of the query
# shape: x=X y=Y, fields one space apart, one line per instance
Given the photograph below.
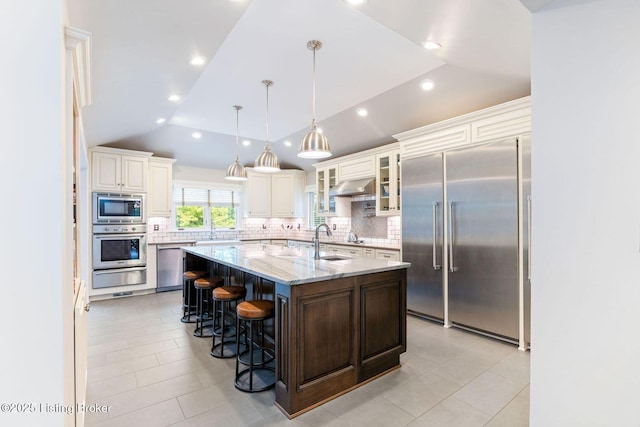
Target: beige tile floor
x=149 y=368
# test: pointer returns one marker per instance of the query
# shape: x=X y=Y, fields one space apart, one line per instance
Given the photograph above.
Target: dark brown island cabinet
x=338 y=324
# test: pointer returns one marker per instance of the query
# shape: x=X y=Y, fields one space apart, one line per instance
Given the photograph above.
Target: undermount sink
x=334 y=258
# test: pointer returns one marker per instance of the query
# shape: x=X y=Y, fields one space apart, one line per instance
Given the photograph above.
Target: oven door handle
x=119 y=236
x=117 y=270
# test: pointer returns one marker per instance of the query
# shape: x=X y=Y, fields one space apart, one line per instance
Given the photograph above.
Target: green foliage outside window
x=193 y=217
x=198 y=208
x=189 y=217
x=223 y=217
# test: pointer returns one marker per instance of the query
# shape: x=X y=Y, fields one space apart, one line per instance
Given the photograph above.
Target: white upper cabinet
x=159 y=199
x=326 y=179
x=510 y=119
x=363 y=167
x=258 y=194
x=287 y=193
x=117 y=170
x=279 y=194
x=388 y=183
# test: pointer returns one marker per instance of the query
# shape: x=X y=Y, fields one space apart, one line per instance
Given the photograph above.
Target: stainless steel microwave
x=119 y=208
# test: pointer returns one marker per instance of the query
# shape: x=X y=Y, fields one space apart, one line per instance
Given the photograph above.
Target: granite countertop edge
x=357 y=245
x=291 y=266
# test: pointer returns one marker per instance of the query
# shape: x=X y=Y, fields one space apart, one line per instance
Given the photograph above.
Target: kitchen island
x=340 y=322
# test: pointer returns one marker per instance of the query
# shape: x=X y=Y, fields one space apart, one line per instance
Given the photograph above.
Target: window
x=200 y=207
x=313 y=220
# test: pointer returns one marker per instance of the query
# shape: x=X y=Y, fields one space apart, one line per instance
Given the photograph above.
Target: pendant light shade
x=236 y=171
x=267 y=161
x=314 y=144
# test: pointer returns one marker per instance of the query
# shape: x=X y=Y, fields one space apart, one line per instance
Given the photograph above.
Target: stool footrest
x=256 y=379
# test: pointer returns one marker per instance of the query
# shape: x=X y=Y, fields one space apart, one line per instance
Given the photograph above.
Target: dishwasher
x=170 y=264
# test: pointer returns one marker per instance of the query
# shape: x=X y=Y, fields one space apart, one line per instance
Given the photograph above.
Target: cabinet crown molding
x=359 y=154
x=122 y=151
x=509 y=119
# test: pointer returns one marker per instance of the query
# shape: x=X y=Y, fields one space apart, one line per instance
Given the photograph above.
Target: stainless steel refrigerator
x=460 y=225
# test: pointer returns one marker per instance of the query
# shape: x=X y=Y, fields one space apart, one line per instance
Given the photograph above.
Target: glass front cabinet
x=388 y=183
x=326 y=179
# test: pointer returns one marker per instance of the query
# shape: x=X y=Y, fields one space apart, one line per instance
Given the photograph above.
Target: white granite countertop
x=290 y=266
x=254 y=240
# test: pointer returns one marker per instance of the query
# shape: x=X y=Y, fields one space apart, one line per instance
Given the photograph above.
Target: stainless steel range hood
x=354 y=187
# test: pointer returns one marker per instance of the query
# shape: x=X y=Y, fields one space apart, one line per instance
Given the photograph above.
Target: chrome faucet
x=212 y=232
x=316 y=241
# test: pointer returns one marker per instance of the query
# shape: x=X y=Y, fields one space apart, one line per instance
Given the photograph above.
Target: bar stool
x=222 y=297
x=204 y=287
x=251 y=315
x=188 y=306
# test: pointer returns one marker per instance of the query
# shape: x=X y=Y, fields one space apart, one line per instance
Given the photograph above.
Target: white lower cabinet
x=297 y=244
x=389 y=254
x=344 y=250
x=347 y=250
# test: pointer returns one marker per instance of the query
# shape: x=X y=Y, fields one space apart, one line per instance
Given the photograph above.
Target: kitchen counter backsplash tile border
x=273 y=228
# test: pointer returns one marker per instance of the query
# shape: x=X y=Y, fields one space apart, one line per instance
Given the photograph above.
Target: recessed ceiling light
x=196 y=135
x=427 y=85
x=246 y=143
x=431 y=45
x=174 y=98
x=197 y=60
x=161 y=120
x=356 y=2
x=287 y=143
x=362 y=112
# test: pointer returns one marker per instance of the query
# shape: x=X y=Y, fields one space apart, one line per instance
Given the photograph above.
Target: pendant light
x=236 y=171
x=267 y=161
x=314 y=144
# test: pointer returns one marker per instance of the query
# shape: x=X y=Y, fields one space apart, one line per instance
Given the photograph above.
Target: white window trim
x=237 y=188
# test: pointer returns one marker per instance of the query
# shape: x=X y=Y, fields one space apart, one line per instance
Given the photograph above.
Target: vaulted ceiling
x=372 y=57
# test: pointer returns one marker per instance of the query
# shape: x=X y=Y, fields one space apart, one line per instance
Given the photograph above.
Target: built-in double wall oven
x=119 y=240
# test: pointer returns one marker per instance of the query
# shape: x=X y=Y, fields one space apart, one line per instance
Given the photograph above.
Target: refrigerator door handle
x=452 y=268
x=435 y=264
x=529 y=237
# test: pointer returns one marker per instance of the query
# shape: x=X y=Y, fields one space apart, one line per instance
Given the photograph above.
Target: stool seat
x=208 y=282
x=258 y=371
x=256 y=309
x=229 y=292
x=192 y=275
x=188 y=302
x=223 y=297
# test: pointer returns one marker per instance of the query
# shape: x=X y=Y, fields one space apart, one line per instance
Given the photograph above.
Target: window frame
x=237 y=195
x=312 y=217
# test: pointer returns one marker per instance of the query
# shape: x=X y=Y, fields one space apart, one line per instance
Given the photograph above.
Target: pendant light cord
x=313 y=45
x=267 y=83
x=313 y=96
x=237 y=107
x=267 y=115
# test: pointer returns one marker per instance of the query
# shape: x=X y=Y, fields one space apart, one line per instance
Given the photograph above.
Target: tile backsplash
x=365 y=223
x=279 y=228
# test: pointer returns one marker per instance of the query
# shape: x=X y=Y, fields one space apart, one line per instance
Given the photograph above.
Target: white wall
x=31 y=170
x=585 y=358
